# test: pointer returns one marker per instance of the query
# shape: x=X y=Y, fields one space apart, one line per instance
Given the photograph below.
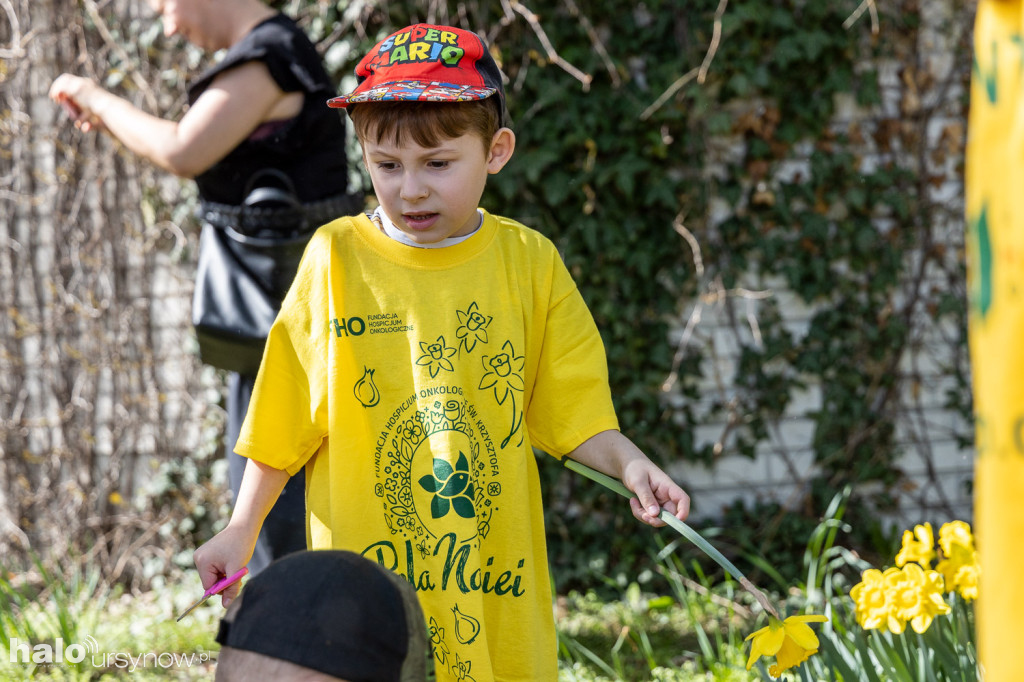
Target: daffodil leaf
x=844 y=661
x=861 y=640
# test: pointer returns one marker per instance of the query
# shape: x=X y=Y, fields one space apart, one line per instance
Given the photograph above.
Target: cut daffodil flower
x=615 y=485
x=790 y=641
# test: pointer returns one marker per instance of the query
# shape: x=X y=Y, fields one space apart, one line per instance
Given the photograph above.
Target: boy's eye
x=438 y=164
x=387 y=165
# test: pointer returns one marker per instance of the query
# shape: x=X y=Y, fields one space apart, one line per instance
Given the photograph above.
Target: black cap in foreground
x=332 y=611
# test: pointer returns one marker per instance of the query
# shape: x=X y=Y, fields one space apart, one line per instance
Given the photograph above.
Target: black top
x=309 y=148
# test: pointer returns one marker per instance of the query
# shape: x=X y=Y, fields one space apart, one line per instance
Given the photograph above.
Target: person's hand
x=75 y=95
x=654 y=491
x=612 y=453
x=224 y=554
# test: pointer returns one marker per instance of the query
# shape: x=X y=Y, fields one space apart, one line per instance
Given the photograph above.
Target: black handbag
x=246 y=264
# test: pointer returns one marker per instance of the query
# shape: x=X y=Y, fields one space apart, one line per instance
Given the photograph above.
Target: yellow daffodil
x=916 y=596
x=872 y=606
x=961 y=573
x=959 y=564
x=966 y=582
x=918 y=546
x=791 y=641
x=956 y=537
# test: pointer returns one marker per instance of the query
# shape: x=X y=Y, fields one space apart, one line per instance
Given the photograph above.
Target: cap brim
x=413 y=91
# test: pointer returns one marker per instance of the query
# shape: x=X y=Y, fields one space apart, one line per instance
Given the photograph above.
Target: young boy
x=420 y=356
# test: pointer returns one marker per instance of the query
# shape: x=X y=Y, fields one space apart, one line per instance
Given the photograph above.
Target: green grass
x=120 y=635
x=693 y=630
x=695 y=633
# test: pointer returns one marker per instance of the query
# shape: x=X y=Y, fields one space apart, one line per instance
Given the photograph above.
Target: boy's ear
x=502 y=145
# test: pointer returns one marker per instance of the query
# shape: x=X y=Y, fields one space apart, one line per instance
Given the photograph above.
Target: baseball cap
x=426 y=63
x=332 y=611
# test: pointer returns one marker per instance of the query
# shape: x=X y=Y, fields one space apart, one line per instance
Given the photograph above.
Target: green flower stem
x=690 y=534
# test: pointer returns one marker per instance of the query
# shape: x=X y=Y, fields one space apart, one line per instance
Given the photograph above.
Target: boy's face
x=432 y=193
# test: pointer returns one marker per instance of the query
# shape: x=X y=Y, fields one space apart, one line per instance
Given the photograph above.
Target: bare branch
x=866 y=5
x=699 y=73
x=17 y=50
x=599 y=47
x=137 y=78
x=665 y=96
x=549 y=49
x=716 y=37
x=714 y=294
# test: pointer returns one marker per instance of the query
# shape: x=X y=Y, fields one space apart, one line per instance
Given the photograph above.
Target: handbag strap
x=275 y=208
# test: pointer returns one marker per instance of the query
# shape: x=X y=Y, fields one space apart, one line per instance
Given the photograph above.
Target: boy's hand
x=229 y=550
x=654 y=491
x=612 y=453
x=224 y=554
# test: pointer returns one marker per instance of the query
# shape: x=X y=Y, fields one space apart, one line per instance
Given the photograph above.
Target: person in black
x=268 y=158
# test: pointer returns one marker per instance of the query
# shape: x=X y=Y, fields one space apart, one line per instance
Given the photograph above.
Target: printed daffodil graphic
x=461 y=669
x=452 y=488
x=435 y=356
x=472 y=327
x=437 y=640
x=790 y=641
x=504 y=374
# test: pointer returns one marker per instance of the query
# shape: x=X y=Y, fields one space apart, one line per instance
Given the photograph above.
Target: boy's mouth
x=420 y=221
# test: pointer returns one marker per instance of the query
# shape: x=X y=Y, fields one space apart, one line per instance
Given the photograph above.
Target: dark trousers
x=284 y=530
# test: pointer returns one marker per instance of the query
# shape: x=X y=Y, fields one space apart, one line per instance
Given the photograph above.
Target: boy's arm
x=614 y=454
x=229 y=550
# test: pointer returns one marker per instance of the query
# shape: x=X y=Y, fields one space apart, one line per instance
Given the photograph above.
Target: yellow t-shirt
x=413 y=384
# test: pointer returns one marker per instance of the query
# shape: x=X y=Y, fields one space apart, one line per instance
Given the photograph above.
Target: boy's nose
x=412 y=188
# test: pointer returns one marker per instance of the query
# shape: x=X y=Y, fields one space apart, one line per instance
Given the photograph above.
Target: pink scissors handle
x=223 y=583
x=215 y=588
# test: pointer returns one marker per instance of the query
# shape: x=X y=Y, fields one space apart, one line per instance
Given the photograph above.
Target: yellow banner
x=994 y=185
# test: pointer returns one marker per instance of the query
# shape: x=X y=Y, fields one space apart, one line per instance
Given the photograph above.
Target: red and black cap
x=426 y=63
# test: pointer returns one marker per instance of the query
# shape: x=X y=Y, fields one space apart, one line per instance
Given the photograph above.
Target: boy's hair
x=427 y=124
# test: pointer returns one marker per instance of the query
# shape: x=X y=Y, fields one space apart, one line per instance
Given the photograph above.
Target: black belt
x=251 y=220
